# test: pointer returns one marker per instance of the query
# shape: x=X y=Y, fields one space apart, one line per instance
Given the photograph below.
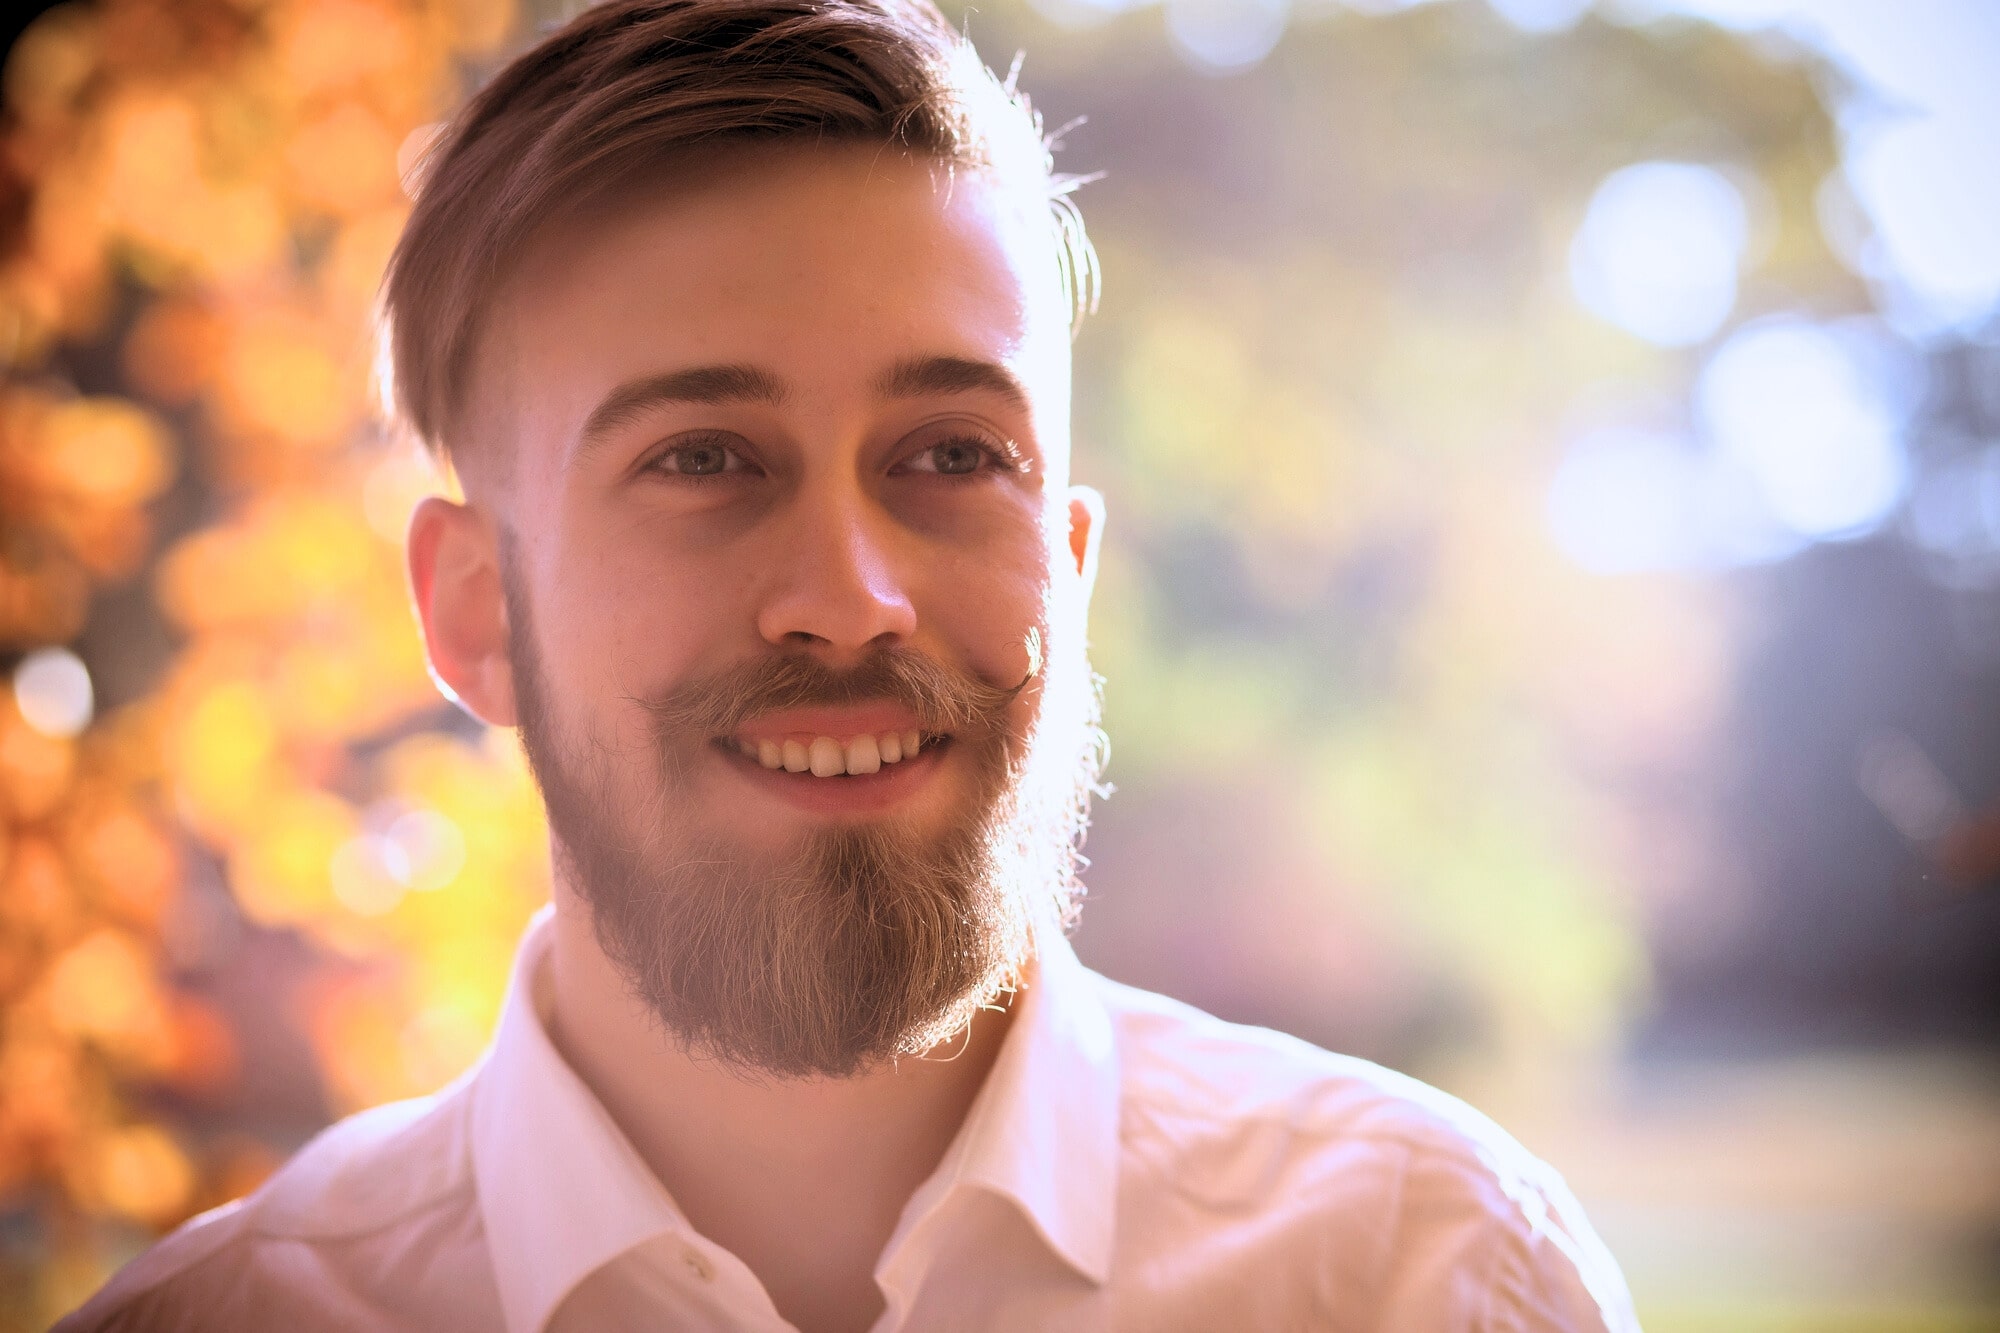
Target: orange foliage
x=212 y=190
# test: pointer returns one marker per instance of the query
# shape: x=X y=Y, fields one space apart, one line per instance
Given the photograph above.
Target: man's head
x=746 y=323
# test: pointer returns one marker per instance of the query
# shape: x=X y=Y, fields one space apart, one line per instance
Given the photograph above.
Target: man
x=745 y=324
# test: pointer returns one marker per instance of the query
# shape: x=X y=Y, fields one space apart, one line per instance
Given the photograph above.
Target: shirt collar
x=1043 y=1132
x=562 y=1192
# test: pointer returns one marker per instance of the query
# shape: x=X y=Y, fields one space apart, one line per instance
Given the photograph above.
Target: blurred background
x=1551 y=609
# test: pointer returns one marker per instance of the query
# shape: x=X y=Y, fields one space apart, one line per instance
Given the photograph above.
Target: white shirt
x=1130 y=1164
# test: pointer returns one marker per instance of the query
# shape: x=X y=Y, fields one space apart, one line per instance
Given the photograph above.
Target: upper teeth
x=825 y=757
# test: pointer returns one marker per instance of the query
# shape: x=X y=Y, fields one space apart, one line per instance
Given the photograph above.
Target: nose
x=838 y=586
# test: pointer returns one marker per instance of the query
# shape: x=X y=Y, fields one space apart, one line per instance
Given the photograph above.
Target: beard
x=859 y=943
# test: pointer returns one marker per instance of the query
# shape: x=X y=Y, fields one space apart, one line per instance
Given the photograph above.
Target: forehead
x=823 y=266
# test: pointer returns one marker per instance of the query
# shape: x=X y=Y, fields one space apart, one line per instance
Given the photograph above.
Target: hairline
x=626 y=95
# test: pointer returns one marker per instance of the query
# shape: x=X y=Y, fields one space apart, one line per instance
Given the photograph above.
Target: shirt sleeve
x=1495 y=1243
x=1553 y=1274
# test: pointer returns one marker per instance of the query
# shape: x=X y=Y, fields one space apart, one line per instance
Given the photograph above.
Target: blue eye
x=700 y=458
x=960 y=456
x=956 y=456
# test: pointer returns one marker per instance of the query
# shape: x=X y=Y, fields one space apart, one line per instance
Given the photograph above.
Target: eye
x=706 y=457
x=956 y=457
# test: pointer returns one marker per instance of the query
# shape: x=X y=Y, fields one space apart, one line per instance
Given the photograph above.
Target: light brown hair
x=630 y=86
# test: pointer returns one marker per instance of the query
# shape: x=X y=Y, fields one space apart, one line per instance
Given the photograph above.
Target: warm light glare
x=423 y=850
x=362 y=878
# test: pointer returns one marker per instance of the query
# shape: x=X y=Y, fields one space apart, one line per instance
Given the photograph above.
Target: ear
x=1086 y=533
x=455 y=582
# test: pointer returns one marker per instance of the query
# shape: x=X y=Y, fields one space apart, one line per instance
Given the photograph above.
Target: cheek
x=637 y=619
x=984 y=605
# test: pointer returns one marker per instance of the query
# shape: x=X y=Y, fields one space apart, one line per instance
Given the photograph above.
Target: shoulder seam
x=1447 y=1146
x=412 y=1208
x=247 y=1232
x=293 y=1206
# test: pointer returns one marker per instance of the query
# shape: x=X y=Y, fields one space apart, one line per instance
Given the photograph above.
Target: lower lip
x=849 y=794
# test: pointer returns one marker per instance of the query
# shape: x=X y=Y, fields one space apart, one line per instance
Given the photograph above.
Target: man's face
x=777 y=470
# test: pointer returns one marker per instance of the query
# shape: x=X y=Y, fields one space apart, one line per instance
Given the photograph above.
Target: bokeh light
x=1541 y=16
x=1955 y=515
x=1629 y=500
x=1658 y=249
x=1787 y=401
x=1223 y=36
x=1919 y=117
x=52 y=690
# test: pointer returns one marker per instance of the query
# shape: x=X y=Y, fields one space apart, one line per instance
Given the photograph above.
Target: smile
x=829 y=756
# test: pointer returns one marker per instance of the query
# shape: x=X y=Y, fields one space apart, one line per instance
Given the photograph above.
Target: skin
x=837 y=525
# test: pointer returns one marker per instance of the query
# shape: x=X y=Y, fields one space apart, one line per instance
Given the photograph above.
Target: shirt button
x=700 y=1267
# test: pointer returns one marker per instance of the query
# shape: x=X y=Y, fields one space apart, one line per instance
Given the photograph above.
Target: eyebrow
x=708 y=385
x=941 y=376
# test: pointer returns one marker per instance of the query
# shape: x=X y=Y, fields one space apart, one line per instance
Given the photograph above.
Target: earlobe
x=1086 y=532
x=461 y=605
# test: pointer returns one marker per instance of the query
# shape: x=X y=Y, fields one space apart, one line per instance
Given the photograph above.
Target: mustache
x=945 y=700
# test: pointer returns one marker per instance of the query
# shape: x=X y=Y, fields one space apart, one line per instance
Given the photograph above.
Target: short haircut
x=629 y=87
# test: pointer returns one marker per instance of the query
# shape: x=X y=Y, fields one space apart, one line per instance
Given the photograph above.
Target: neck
x=771 y=1170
